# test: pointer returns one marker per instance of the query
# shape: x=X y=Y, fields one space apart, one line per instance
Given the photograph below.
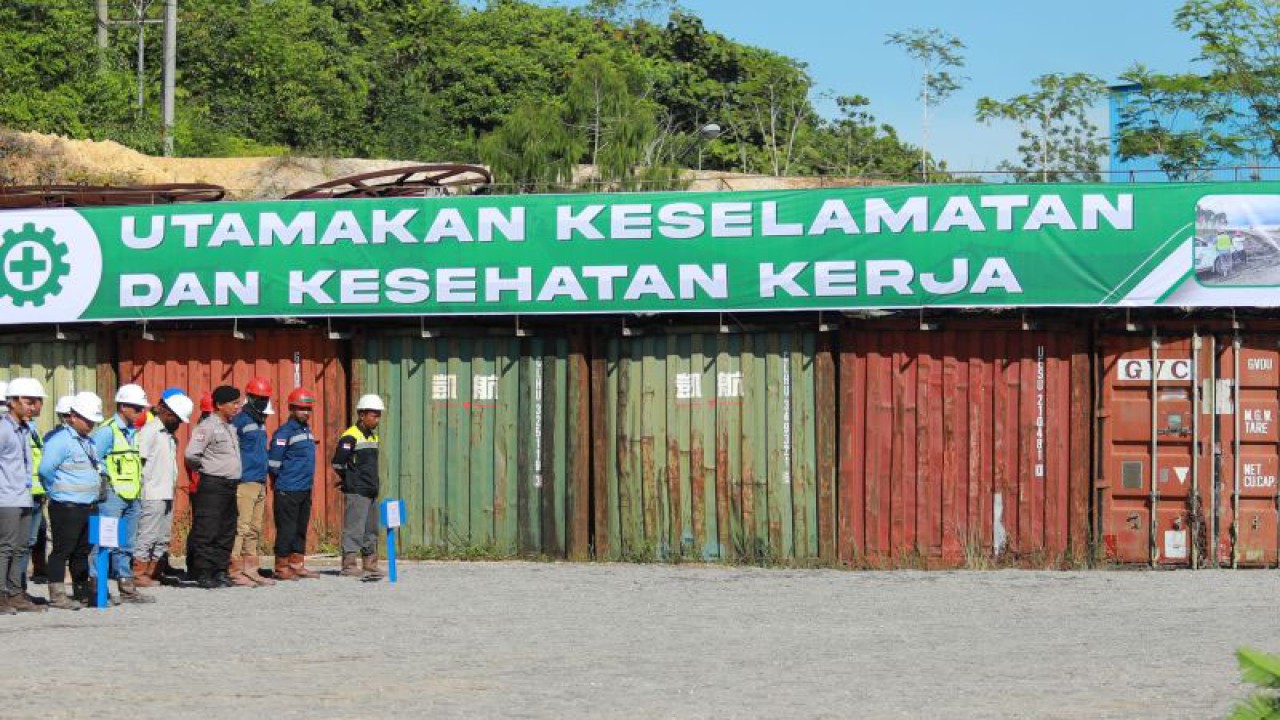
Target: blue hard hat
x=170 y=392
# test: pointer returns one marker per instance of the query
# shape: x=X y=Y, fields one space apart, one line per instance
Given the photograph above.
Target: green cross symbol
x=28 y=265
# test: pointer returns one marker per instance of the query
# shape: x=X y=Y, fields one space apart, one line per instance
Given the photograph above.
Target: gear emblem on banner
x=33 y=263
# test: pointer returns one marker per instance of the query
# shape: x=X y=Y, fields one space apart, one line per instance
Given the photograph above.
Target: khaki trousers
x=251 y=505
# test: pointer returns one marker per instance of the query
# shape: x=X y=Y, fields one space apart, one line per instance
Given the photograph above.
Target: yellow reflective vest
x=37 y=454
x=124 y=464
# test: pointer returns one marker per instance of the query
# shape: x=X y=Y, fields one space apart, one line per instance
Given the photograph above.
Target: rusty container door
x=1157 y=439
x=1247 y=408
x=64 y=367
x=711 y=447
x=485 y=439
x=199 y=360
x=963 y=444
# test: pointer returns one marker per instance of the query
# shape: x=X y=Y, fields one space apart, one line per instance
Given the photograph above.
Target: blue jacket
x=61 y=428
x=292 y=460
x=253 y=446
x=70 y=469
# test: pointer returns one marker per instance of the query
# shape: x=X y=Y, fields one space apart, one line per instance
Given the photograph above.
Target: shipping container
x=198 y=360
x=65 y=367
x=484 y=439
x=706 y=447
x=963 y=443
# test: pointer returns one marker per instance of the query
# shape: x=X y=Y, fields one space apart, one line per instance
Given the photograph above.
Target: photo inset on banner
x=1237 y=240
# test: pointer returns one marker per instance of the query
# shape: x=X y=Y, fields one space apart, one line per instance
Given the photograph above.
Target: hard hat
x=132 y=395
x=25 y=387
x=181 y=406
x=170 y=392
x=88 y=406
x=270 y=409
x=63 y=405
x=206 y=402
x=259 y=386
x=370 y=402
x=301 y=397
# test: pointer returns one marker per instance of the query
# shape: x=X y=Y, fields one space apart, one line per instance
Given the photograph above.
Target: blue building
x=1230 y=168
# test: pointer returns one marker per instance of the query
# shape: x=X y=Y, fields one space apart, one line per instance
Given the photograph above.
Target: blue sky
x=1010 y=42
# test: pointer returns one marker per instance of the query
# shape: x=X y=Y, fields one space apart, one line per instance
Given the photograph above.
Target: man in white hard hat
x=75 y=479
x=356 y=461
x=25 y=398
x=38 y=547
x=117 y=445
x=159 y=451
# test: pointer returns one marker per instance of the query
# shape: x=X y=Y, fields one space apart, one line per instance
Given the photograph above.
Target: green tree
x=1263 y=670
x=533 y=150
x=1058 y=141
x=939 y=55
x=855 y=144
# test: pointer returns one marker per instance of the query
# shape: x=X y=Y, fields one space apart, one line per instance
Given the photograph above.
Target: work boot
x=142 y=574
x=236 y=574
x=22 y=603
x=208 y=582
x=253 y=570
x=370 y=567
x=297 y=563
x=166 y=569
x=129 y=592
x=58 y=598
x=223 y=579
x=87 y=593
x=283 y=571
x=5 y=607
x=350 y=565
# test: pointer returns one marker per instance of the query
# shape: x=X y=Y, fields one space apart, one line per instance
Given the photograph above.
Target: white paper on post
x=393 y=514
x=108 y=532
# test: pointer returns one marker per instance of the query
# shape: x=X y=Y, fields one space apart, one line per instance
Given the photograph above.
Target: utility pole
x=104 y=19
x=170 y=71
x=140 y=21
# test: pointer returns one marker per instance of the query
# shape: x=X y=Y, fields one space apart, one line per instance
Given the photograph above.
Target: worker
x=75 y=479
x=193 y=479
x=158 y=449
x=214 y=452
x=292 y=465
x=355 y=459
x=39 y=524
x=25 y=398
x=251 y=491
x=117 y=445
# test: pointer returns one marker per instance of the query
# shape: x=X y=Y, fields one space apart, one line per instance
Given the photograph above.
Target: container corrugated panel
x=963 y=441
x=709 y=447
x=199 y=360
x=477 y=439
x=64 y=367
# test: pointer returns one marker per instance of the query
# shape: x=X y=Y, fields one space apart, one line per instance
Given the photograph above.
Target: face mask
x=259 y=404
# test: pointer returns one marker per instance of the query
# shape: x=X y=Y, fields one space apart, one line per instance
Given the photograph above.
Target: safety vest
x=124 y=464
x=37 y=454
x=1223 y=242
x=362 y=442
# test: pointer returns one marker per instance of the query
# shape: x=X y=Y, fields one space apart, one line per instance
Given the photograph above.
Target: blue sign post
x=392 y=515
x=104 y=533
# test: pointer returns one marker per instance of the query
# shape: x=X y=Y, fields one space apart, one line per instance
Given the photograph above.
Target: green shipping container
x=63 y=366
x=476 y=439
x=712 y=449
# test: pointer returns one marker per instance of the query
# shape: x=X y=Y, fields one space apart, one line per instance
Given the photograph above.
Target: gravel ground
x=537 y=640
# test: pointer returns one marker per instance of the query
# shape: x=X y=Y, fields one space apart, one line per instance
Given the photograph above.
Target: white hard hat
x=181 y=406
x=63 y=405
x=370 y=402
x=132 y=395
x=25 y=387
x=88 y=406
x=270 y=409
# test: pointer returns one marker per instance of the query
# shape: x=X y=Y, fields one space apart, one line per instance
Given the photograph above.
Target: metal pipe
x=170 y=71
x=1235 y=449
x=1155 y=442
x=1195 y=449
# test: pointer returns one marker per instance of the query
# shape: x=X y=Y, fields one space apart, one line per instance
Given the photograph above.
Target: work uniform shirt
x=292 y=459
x=70 y=469
x=252 y=430
x=356 y=461
x=214 y=450
x=15 y=463
x=159 y=450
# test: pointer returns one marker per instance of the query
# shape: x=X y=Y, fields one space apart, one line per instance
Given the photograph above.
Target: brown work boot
x=129 y=592
x=350 y=565
x=21 y=603
x=283 y=571
x=253 y=570
x=142 y=573
x=6 y=607
x=235 y=571
x=297 y=562
x=58 y=598
x=370 y=567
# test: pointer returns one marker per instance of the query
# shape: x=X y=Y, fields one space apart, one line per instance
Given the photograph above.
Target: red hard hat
x=259 y=386
x=301 y=397
x=206 y=402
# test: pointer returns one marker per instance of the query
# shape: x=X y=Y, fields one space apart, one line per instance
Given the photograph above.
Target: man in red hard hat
x=292 y=465
x=251 y=492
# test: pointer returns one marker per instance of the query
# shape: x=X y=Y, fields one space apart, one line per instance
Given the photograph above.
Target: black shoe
x=223 y=579
x=208 y=582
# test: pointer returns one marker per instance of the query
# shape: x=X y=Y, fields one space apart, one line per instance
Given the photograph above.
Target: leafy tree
x=1058 y=141
x=854 y=144
x=624 y=12
x=939 y=54
x=534 y=150
x=1263 y=670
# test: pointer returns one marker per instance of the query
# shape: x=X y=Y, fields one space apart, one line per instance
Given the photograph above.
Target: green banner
x=885 y=247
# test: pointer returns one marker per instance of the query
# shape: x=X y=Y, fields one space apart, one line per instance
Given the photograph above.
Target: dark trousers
x=292 y=511
x=213 y=526
x=69 y=527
